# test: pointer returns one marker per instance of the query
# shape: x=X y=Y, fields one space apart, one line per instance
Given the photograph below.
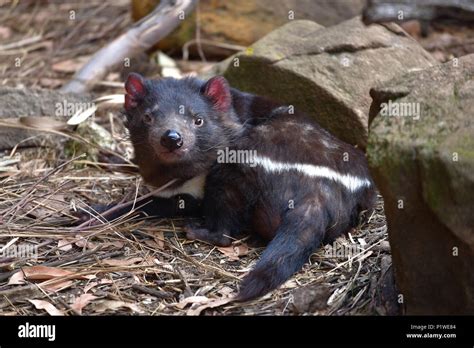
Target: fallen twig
x=153 y=292
x=141 y=36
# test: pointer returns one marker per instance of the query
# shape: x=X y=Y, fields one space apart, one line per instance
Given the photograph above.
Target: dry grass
x=51 y=38
x=132 y=266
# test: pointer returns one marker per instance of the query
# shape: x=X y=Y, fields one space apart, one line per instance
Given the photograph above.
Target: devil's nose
x=171 y=139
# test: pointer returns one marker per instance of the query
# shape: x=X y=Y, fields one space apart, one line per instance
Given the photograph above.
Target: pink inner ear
x=218 y=91
x=130 y=102
x=135 y=85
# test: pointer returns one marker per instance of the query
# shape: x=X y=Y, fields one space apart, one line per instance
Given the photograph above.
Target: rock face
x=16 y=103
x=327 y=72
x=422 y=160
x=242 y=22
x=19 y=102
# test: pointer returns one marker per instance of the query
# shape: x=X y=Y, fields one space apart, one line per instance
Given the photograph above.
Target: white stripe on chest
x=351 y=182
x=193 y=187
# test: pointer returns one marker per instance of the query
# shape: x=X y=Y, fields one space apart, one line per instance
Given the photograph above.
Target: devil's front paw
x=203 y=234
x=194 y=232
x=81 y=217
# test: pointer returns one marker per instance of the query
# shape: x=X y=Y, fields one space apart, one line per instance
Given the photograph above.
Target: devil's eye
x=147 y=117
x=198 y=122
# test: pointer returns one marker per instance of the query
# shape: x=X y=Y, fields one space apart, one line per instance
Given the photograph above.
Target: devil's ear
x=135 y=87
x=218 y=91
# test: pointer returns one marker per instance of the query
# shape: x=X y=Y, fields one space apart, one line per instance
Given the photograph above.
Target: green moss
x=435 y=187
x=184 y=33
x=395 y=160
x=465 y=148
x=187 y=30
x=95 y=134
x=456 y=92
x=74 y=148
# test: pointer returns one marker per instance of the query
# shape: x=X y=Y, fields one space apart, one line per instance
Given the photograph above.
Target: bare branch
x=141 y=36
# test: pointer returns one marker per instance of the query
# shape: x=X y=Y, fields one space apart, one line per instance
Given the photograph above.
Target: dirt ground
x=137 y=266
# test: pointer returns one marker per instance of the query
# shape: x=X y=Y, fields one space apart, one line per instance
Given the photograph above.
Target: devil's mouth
x=172 y=155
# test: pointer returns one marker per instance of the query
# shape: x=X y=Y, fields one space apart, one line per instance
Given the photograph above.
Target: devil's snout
x=171 y=140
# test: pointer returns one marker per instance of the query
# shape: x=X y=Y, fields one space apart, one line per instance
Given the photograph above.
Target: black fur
x=239 y=198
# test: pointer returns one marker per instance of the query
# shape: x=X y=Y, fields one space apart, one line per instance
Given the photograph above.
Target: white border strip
x=352 y=183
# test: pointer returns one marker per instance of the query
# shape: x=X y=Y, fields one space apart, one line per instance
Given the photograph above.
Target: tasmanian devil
x=247 y=165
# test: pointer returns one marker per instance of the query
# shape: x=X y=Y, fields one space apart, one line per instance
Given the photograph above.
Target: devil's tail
x=299 y=235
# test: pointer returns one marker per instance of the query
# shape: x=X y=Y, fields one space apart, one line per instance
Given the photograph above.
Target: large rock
x=242 y=22
x=18 y=104
x=423 y=164
x=327 y=72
